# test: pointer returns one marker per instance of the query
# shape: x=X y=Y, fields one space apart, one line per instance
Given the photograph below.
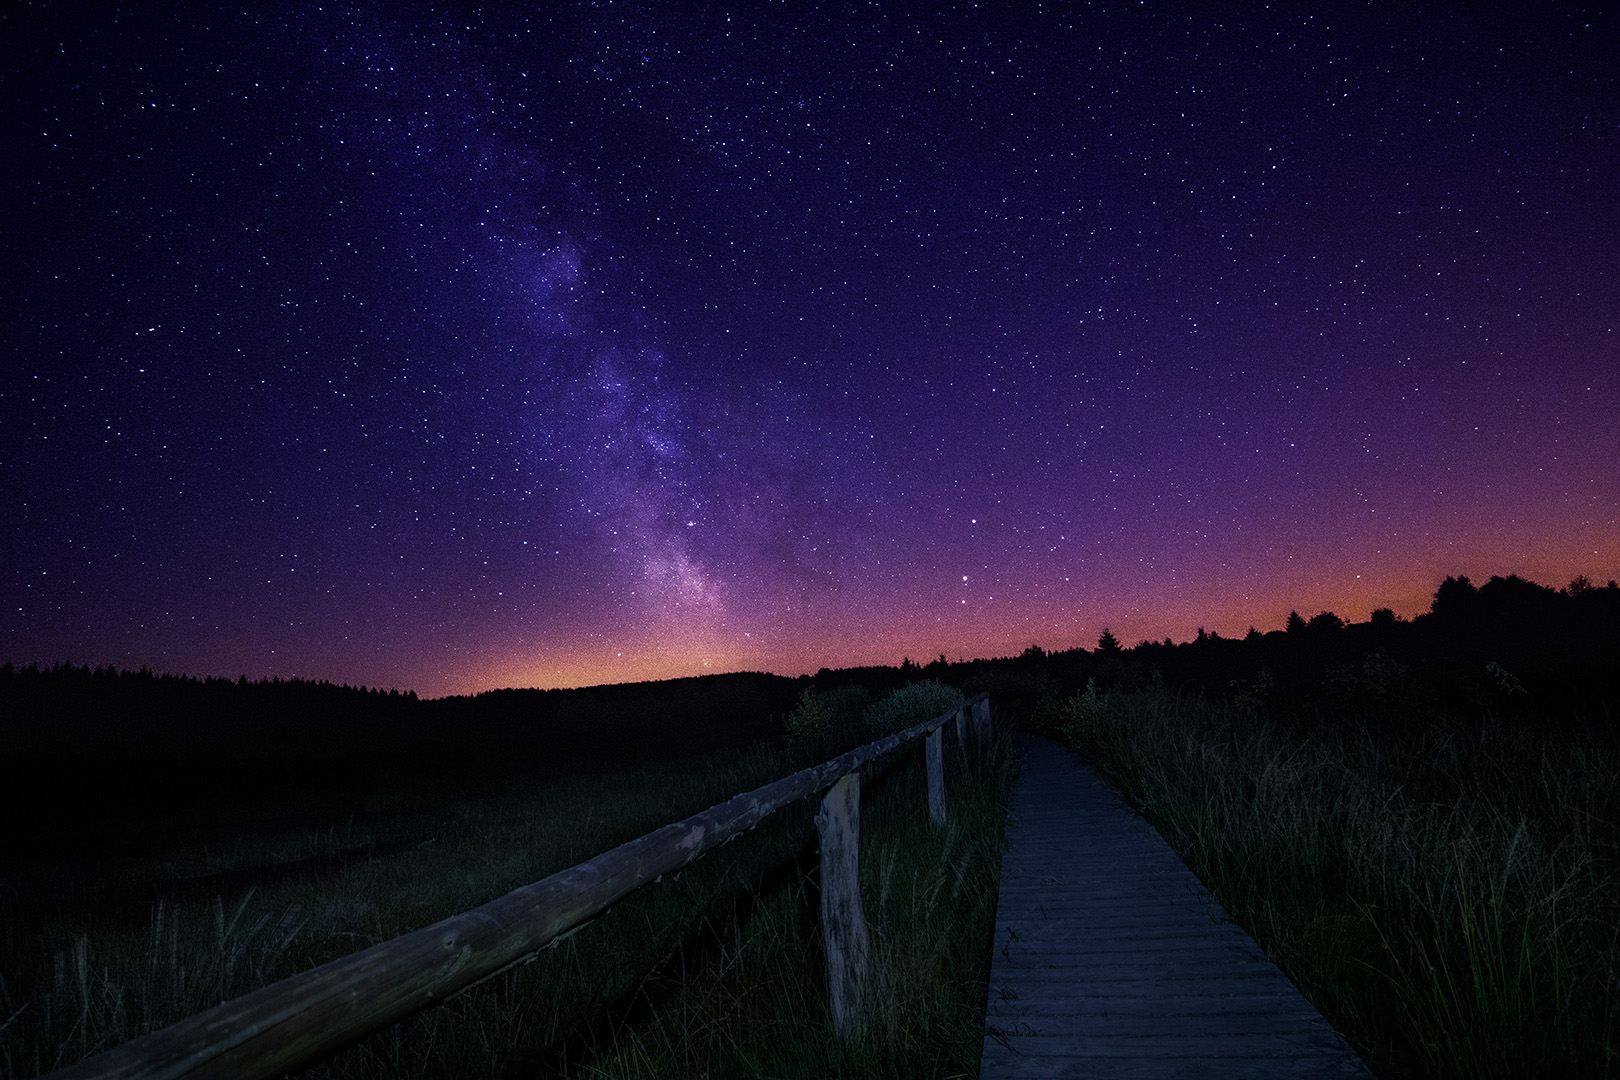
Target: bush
x=1084 y=710
x=809 y=720
x=848 y=705
x=1048 y=718
x=911 y=705
x=1017 y=694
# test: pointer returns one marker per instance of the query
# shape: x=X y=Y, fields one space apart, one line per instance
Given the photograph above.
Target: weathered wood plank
x=1117 y=937
x=1159 y=999
x=1188 y=1068
x=1102 y=1022
x=1112 y=960
x=1129 y=1064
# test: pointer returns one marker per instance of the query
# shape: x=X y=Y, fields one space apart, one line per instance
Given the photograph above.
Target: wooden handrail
x=300 y=1020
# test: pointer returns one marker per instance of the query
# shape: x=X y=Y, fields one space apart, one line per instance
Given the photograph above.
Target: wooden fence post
x=961 y=728
x=843 y=925
x=981 y=718
x=936 y=777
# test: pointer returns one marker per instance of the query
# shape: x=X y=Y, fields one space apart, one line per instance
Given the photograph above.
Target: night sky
x=444 y=350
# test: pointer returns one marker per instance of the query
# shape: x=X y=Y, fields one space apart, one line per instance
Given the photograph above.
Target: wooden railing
x=302 y=1019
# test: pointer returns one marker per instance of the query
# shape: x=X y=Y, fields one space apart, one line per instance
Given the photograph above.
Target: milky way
x=443 y=349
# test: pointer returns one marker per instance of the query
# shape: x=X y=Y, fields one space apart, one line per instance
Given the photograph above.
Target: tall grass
x=73 y=983
x=756 y=1006
x=1447 y=891
x=623 y=996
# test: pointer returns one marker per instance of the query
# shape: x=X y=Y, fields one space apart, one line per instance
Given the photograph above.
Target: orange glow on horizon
x=993 y=630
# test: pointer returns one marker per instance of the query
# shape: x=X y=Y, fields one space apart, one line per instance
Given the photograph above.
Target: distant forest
x=81 y=745
x=81 y=741
x=1509 y=645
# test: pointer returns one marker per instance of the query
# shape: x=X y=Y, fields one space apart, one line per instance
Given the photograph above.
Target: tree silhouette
x=1108 y=644
x=1456 y=598
x=1326 y=622
x=1295 y=624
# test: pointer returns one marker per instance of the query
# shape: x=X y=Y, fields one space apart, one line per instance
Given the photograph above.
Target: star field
x=419 y=346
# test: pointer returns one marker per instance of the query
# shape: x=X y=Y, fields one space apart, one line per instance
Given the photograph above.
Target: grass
x=756 y=1006
x=1446 y=890
x=645 y=982
x=86 y=977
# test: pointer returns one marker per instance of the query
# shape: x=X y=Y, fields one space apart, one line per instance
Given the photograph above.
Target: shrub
x=809 y=720
x=911 y=705
x=1017 y=694
x=1083 y=710
x=848 y=704
x=1048 y=718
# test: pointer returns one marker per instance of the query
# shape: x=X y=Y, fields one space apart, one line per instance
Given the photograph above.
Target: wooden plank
x=1101 y=1021
x=1112 y=960
x=1157 y=999
x=1158 y=1068
x=843 y=923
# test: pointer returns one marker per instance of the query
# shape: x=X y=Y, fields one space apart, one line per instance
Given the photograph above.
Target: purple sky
x=418 y=347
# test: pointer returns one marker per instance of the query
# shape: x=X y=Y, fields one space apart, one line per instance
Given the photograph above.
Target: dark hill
x=83 y=745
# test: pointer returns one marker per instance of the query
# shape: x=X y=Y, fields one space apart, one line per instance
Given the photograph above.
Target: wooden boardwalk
x=1113 y=960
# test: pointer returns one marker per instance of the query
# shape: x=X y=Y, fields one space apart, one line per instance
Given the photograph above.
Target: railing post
x=843 y=925
x=981 y=719
x=936 y=777
x=961 y=728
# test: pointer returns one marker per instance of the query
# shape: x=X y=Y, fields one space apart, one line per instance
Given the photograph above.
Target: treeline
x=136 y=716
x=82 y=742
x=1509 y=645
x=1507 y=641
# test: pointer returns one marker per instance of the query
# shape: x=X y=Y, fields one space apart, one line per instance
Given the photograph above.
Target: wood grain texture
x=843 y=923
x=1112 y=960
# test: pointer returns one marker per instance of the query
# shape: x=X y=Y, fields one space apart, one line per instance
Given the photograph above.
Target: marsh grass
x=756 y=1006
x=708 y=966
x=74 y=982
x=1446 y=890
